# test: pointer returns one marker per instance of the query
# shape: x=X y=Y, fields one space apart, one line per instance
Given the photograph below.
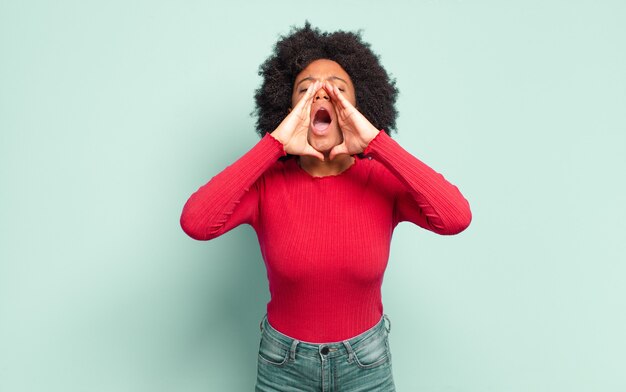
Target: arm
x=423 y=196
x=230 y=198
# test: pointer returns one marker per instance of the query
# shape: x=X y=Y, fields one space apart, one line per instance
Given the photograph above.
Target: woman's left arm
x=425 y=198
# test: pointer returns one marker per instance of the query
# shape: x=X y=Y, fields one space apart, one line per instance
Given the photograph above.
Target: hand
x=357 y=131
x=293 y=130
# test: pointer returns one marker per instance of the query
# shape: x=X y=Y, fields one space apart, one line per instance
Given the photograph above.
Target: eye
x=340 y=87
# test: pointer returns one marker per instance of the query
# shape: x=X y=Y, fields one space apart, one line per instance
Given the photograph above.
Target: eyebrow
x=311 y=78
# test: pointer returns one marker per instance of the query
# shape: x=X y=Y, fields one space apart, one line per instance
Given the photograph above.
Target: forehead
x=323 y=68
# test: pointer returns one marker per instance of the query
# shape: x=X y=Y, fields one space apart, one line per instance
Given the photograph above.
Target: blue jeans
x=359 y=364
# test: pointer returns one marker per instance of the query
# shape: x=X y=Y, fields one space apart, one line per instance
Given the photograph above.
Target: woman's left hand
x=357 y=130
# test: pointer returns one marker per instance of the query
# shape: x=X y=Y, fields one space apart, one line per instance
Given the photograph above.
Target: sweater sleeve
x=423 y=196
x=230 y=198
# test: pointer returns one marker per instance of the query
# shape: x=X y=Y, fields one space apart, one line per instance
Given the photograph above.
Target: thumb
x=308 y=150
x=338 y=149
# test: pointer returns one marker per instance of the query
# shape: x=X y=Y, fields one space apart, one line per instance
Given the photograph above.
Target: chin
x=322 y=146
x=324 y=143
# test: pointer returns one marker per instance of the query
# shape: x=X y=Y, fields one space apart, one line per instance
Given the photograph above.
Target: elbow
x=193 y=230
x=457 y=225
x=462 y=225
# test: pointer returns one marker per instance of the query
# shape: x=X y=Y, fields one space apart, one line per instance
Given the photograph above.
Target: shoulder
x=281 y=170
x=380 y=175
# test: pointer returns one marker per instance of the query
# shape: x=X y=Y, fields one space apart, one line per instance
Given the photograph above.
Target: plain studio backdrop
x=113 y=113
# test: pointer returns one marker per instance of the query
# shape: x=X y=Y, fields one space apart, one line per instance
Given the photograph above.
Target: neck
x=318 y=168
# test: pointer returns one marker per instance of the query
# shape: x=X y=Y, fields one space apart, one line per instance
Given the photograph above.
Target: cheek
x=295 y=97
x=352 y=97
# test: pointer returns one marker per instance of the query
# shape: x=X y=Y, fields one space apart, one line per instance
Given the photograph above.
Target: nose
x=321 y=94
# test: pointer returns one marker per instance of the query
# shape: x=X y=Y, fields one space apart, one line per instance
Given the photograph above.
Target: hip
x=288 y=364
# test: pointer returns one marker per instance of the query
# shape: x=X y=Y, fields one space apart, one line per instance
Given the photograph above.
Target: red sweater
x=325 y=240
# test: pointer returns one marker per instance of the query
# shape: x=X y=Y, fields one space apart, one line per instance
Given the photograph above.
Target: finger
x=337 y=150
x=329 y=88
x=307 y=98
x=314 y=88
x=343 y=100
x=303 y=107
x=308 y=150
x=340 y=101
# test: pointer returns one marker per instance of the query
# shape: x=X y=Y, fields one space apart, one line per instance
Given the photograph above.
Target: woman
x=324 y=188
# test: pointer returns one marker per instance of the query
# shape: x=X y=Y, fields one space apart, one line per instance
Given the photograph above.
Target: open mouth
x=321 y=120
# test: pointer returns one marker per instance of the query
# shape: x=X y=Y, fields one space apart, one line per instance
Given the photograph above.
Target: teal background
x=113 y=113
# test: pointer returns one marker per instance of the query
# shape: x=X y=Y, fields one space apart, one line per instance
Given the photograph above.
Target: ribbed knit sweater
x=325 y=240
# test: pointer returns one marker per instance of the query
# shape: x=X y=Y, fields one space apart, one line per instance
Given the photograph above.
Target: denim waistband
x=330 y=349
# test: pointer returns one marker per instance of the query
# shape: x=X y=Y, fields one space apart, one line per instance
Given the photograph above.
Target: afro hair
x=376 y=92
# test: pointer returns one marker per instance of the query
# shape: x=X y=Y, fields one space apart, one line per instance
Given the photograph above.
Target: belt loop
x=292 y=351
x=350 y=351
x=388 y=321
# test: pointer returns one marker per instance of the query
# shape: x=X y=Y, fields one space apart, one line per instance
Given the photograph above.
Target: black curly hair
x=375 y=91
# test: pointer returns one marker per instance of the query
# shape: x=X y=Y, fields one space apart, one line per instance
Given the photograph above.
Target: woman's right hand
x=294 y=129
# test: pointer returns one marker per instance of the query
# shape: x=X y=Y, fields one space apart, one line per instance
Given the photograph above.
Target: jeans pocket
x=272 y=352
x=372 y=353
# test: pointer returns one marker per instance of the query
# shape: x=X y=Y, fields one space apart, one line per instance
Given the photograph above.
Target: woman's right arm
x=230 y=198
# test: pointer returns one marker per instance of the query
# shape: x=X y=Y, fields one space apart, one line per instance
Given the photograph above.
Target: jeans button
x=325 y=350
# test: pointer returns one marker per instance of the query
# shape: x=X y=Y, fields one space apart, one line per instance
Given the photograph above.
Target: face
x=324 y=132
